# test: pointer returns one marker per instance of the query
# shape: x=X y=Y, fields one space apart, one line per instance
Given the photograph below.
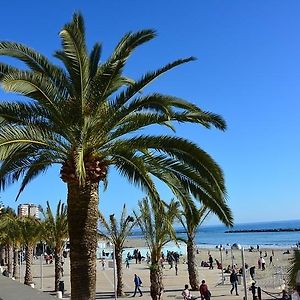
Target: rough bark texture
x=156 y=287
x=10 y=259
x=119 y=265
x=82 y=223
x=15 y=273
x=5 y=255
x=192 y=265
x=58 y=269
x=28 y=259
x=2 y=255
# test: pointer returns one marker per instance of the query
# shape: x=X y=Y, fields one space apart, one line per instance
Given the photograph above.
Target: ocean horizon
x=210 y=236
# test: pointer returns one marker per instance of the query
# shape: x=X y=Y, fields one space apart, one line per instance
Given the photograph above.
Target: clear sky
x=248 y=70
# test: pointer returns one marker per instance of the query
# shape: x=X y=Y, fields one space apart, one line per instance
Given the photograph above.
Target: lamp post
x=231 y=256
x=114 y=262
x=221 y=248
x=237 y=246
x=41 y=264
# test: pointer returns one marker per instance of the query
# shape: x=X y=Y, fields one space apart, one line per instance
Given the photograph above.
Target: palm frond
x=133 y=168
x=75 y=54
x=132 y=90
x=35 y=61
x=39 y=166
x=94 y=59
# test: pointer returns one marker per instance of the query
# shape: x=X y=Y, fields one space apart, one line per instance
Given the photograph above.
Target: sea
x=212 y=236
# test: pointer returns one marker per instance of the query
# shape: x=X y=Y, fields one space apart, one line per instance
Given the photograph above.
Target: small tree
x=11 y=238
x=191 y=217
x=116 y=234
x=156 y=223
x=30 y=230
x=55 y=233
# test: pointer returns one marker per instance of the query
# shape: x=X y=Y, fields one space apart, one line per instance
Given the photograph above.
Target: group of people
x=137 y=256
x=205 y=294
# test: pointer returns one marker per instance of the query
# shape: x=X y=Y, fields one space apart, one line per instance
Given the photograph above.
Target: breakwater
x=263 y=230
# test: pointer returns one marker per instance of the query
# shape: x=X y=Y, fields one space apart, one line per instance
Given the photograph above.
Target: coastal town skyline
x=248 y=70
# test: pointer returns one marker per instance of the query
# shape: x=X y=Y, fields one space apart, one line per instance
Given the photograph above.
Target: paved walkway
x=13 y=290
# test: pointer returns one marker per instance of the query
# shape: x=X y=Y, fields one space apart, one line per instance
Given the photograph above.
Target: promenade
x=173 y=283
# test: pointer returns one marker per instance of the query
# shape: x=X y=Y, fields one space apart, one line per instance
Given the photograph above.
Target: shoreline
x=137 y=242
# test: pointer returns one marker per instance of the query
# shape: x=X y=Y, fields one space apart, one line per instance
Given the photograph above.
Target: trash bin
x=61 y=286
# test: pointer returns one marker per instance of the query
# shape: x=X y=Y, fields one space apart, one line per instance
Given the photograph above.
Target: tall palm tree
x=156 y=223
x=117 y=233
x=294 y=269
x=55 y=233
x=86 y=116
x=30 y=230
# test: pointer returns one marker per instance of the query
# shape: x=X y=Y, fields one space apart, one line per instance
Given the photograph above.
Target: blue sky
x=248 y=70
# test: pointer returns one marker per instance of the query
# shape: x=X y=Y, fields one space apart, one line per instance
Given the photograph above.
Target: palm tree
x=191 y=218
x=294 y=269
x=55 y=233
x=116 y=234
x=87 y=117
x=156 y=223
x=11 y=237
x=30 y=230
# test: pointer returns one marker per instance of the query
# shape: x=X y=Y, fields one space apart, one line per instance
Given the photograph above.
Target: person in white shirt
x=186 y=294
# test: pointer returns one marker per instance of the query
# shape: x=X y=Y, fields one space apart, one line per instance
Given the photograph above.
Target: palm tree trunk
x=156 y=283
x=28 y=260
x=120 y=285
x=10 y=259
x=192 y=265
x=16 y=263
x=2 y=255
x=58 y=269
x=5 y=255
x=82 y=224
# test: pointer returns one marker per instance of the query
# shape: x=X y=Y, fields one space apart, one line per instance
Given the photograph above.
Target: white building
x=28 y=210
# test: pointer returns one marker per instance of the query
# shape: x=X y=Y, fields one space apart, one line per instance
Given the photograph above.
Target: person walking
x=234 y=282
x=137 y=283
x=252 y=272
x=186 y=294
x=271 y=260
x=253 y=289
x=210 y=259
x=204 y=292
x=263 y=264
x=127 y=263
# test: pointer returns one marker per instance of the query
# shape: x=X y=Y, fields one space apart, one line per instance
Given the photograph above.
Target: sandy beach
x=269 y=280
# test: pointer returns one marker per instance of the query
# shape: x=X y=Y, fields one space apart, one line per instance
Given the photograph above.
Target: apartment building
x=28 y=210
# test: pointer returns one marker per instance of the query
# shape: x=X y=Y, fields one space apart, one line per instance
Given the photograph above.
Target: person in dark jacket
x=137 y=282
x=234 y=282
x=204 y=292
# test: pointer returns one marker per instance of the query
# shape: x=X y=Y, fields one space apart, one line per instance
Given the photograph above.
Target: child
x=186 y=294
